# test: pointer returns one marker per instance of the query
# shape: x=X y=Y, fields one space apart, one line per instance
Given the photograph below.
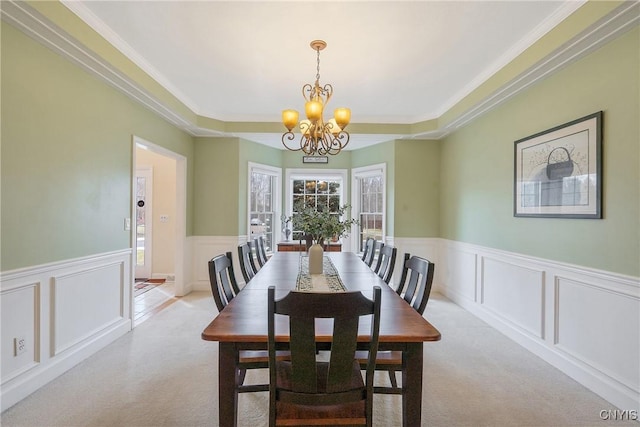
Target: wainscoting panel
x=612 y=320
x=65 y=311
x=203 y=248
x=101 y=293
x=515 y=293
x=583 y=321
x=459 y=273
x=422 y=247
x=20 y=336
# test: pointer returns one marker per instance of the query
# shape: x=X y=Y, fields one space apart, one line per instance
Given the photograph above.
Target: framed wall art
x=558 y=172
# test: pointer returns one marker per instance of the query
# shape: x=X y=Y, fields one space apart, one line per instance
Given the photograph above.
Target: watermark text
x=619 y=415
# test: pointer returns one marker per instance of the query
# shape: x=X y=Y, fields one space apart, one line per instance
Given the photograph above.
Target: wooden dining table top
x=244 y=319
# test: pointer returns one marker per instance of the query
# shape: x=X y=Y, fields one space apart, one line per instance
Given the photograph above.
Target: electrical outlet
x=19 y=346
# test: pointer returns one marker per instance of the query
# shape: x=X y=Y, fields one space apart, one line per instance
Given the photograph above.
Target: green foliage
x=321 y=224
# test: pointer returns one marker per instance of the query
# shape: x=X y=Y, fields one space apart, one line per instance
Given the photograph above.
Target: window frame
x=292 y=174
x=379 y=169
x=276 y=201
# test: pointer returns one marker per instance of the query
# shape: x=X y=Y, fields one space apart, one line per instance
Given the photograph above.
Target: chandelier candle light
x=318 y=138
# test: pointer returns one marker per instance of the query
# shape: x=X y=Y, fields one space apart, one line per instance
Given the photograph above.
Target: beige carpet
x=163 y=374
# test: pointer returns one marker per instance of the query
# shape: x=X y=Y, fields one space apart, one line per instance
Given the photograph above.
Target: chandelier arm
x=324 y=141
x=327 y=91
x=290 y=136
x=307 y=92
x=336 y=144
x=308 y=145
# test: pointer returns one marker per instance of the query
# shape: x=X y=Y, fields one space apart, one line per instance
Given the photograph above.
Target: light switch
x=127 y=224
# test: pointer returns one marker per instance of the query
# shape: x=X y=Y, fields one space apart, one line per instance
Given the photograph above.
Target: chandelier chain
x=318 y=67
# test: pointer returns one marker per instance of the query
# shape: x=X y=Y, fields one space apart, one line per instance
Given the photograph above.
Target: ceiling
x=390 y=62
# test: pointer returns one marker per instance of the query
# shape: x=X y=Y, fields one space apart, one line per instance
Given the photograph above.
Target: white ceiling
x=390 y=62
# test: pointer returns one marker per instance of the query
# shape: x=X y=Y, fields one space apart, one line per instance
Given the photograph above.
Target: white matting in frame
x=558 y=172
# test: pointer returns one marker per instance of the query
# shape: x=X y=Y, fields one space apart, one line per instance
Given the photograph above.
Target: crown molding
x=112 y=37
x=41 y=29
x=619 y=21
x=508 y=56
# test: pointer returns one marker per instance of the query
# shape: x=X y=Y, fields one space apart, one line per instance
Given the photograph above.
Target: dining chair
x=305 y=391
x=222 y=278
x=224 y=288
x=261 y=252
x=414 y=288
x=386 y=262
x=247 y=263
x=366 y=248
x=377 y=247
x=403 y=276
x=373 y=245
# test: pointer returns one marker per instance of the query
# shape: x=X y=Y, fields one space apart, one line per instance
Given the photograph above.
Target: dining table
x=242 y=324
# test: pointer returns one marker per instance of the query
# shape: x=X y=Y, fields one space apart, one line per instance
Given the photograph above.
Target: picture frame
x=558 y=172
x=315 y=159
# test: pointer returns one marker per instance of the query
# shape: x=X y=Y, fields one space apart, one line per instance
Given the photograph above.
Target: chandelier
x=318 y=137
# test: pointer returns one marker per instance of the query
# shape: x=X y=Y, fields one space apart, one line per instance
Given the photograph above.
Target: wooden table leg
x=412 y=385
x=227 y=394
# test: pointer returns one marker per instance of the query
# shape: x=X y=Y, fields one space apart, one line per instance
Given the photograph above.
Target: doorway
x=143 y=222
x=159 y=230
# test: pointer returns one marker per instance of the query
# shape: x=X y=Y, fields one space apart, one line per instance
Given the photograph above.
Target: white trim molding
x=65 y=312
x=40 y=28
x=583 y=321
x=203 y=248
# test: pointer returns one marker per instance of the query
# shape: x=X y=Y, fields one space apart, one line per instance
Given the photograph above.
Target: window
x=368 y=188
x=264 y=203
x=315 y=188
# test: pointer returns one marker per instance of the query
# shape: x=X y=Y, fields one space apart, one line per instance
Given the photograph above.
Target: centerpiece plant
x=320 y=224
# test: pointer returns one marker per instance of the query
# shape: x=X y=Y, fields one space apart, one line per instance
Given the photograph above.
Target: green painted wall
x=67 y=157
x=377 y=154
x=256 y=153
x=217 y=182
x=477 y=166
x=66 y=162
x=293 y=160
x=417 y=188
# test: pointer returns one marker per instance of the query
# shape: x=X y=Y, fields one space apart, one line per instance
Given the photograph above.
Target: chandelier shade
x=290 y=119
x=318 y=137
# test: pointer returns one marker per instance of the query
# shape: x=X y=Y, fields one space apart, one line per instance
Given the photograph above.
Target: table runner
x=329 y=281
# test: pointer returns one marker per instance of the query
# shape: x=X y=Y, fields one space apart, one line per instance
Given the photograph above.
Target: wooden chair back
x=417 y=277
x=247 y=263
x=303 y=388
x=386 y=262
x=403 y=277
x=367 y=246
x=417 y=280
x=261 y=252
x=223 y=280
x=372 y=244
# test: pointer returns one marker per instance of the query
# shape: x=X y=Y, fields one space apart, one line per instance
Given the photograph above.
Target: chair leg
x=251 y=388
x=240 y=376
x=392 y=378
